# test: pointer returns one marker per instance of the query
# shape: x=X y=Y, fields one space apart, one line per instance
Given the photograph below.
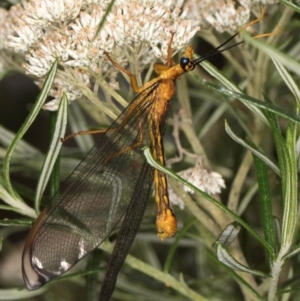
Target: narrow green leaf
x=238 y=278
x=291 y=5
x=252 y=149
x=288 y=80
x=29 y=120
x=277 y=227
x=289 y=219
x=229 y=234
x=266 y=203
x=280 y=144
x=252 y=103
x=229 y=89
x=107 y=11
x=54 y=181
x=271 y=117
x=16 y=204
x=228 y=260
x=291 y=292
x=4 y=207
x=53 y=151
x=286 y=152
x=289 y=62
x=16 y=222
x=22 y=149
x=295 y=251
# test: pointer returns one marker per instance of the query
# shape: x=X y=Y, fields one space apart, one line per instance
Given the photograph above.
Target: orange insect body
x=166 y=224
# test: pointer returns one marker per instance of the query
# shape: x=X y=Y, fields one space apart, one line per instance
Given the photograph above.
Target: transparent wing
x=94 y=198
x=127 y=233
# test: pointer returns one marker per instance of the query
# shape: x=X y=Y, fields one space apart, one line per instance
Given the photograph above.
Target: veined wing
x=94 y=198
x=132 y=220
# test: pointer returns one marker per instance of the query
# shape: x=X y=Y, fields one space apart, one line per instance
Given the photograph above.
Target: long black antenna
x=218 y=50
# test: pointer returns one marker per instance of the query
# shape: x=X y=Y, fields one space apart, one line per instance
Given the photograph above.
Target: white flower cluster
x=40 y=31
x=223 y=15
x=257 y=2
x=66 y=29
x=207 y=181
x=228 y=18
x=7 y=23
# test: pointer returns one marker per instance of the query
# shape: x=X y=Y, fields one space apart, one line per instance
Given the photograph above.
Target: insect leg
x=170 y=62
x=133 y=80
x=159 y=68
x=92 y=132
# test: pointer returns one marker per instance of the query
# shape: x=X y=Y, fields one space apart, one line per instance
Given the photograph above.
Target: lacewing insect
x=112 y=183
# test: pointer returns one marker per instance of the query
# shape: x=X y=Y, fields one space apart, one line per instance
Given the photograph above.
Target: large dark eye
x=184 y=61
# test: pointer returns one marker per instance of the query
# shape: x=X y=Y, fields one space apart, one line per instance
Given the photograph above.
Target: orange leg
x=170 y=62
x=133 y=80
x=82 y=133
x=158 y=68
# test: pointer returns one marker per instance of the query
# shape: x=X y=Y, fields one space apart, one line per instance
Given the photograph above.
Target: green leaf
x=288 y=80
x=16 y=222
x=15 y=204
x=291 y=5
x=295 y=251
x=29 y=120
x=229 y=87
x=287 y=157
x=229 y=234
x=53 y=151
x=228 y=260
x=289 y=62
x=250 y=147
x=107 y=11
x=271 y=117
x=289 y=219
x=22 y=149
x=266 y=204
x=252 y=103
x=238 y=278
